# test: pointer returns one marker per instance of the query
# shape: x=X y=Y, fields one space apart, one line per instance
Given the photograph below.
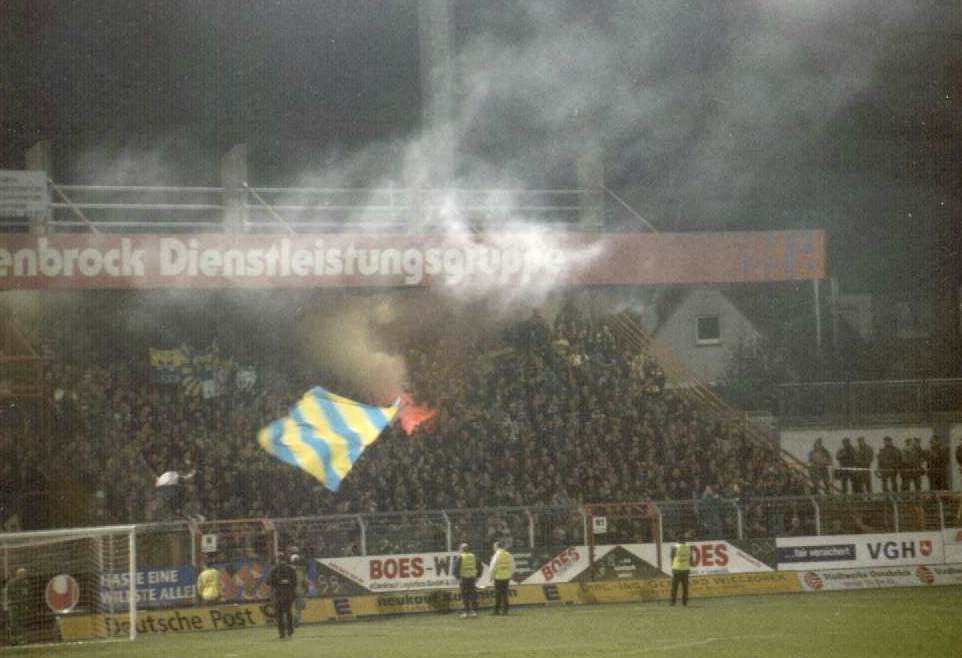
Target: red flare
x=411 y=416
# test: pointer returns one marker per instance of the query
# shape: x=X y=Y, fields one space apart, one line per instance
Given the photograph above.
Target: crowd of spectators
x=556 y=414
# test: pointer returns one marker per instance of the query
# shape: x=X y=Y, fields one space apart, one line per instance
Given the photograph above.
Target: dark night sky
x=710 y=115
x=195 y=78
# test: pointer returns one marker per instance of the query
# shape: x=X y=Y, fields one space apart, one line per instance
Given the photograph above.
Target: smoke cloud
x=343 y=338
x=702 y=114
x=691 y=104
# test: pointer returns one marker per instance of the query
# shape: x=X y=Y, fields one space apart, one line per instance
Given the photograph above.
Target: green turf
x=894 y=622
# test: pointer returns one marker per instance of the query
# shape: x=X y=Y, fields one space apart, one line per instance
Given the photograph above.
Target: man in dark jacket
x=864 y=455
x=819 y=467
x=467 y=569
x=911 y=466
x=888 y=465
x=958 y=457
x=935 y=462
x=283 y=582
x=846 y=462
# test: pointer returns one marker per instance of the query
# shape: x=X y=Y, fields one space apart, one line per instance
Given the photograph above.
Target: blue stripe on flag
x=318 y=445
x=278 y=448
x=377 y=417
x=330 y=409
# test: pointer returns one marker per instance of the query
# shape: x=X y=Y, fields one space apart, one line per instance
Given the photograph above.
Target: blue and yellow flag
x=324 y=434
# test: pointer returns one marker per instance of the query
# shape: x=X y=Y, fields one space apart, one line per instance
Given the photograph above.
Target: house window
x=708 y=330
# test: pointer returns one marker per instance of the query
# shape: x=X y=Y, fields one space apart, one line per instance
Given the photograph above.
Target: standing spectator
x=170 y=494
x=863 y=461
x=910 y=468
x=846 y=462
x=709 y=507
x=888 y=465
x=283 y=583
x=680 y=569
x=958 y=458
x=17 y=594
x=300 y=592
x=819 y=465
x=502 y=568
x=467 y=568
x=795 y=528
x=935 y=462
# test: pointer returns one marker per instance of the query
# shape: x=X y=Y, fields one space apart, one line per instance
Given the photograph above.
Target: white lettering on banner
x=154 y=587
x=195 y=259
x=454 y=264
x=178 y=258
x=355 y=259
x=847 y=551
x=51 y=262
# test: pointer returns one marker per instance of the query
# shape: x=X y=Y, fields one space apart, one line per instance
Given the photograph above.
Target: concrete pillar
x=38 y=159
x=437 y=73
x=590 y=170
x=233 y=177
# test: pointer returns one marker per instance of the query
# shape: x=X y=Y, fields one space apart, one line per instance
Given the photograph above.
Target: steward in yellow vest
x=467 y=569
x=208 y=586
x=502 y=568
x=680 y=568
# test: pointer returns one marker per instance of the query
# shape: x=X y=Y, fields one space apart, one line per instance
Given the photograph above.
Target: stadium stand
x=554 y=414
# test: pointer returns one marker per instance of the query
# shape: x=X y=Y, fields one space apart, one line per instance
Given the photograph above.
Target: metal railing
x=135 y=208
x=430 y=531
x=248 y=209
x=523 y=528
x=910 y=400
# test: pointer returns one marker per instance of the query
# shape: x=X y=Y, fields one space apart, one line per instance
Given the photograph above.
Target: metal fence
x=144 y=208
x=430 y=531
x=524 y=528
x=869 y=401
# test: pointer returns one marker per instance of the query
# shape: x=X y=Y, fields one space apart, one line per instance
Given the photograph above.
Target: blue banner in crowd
x=156 y=588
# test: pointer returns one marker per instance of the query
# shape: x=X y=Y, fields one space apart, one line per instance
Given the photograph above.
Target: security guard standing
x=18 y=593
x=283 y=581
x=680 y=568
x=502 y=568
x=467 y=568
x=208 y=584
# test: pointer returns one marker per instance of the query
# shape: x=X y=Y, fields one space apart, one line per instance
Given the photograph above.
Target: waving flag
x=324 y=434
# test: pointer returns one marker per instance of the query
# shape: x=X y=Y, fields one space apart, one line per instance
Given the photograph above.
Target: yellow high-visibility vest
x=503 y=565
x=682 y=560
x=209 y=584
x=469 y=566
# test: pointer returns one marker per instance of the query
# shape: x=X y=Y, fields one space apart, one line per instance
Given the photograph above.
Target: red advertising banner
x=343 y=260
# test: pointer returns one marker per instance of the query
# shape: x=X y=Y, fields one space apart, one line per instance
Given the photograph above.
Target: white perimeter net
x=50 y=577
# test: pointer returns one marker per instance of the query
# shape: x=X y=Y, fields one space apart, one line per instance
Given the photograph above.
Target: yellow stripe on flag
x=337 y=444
x=306 y=457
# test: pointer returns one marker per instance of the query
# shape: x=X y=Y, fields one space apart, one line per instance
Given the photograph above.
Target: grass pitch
x=894 y=622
